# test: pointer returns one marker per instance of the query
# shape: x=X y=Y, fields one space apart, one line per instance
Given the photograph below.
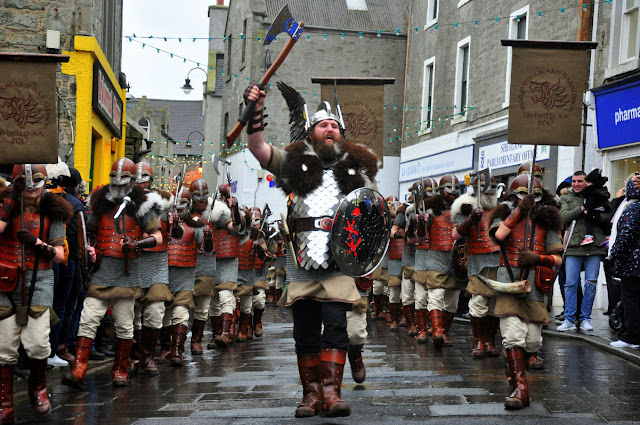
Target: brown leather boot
x=437 y=334
x=224 y=339
x=447 y=321
x=250 y=327
x=7 y=414
x=535 y=362
x=519 y=397
x=232 y=329
x=178 y=337
x=120 y=362
x=331 y=369
x=421 y=321
x=65 y=354
x=412 y=322
x=136 y=353
x=216 y=329
x=270 y=295
x=257 y=322
x=308 y=366
x=75 y=377
x=243 y=330
x=165 y=345
x=149 y=340
x=402 y=323
x=358 y=371
x=394 y=313
x=491 y=327
x=477 y=345
x=38 y=388
x=197 y=330
x=376 y=309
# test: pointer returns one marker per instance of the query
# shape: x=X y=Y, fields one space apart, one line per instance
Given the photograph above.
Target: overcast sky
x=156 y=74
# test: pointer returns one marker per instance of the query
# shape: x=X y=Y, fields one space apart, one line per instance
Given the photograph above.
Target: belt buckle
x=323 y=223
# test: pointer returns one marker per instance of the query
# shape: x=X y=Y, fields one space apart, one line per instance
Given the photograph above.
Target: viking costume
x=205 y=270
x=381 y=276
x=44 y=219
x=261 y=267
x=483 y=257
x=117 y=280
x=227 y=248
x=443 y=287
x=150 y=308
x=186 y=237
x=394 y=271
x=280 y=266
x=408 y=260
x=246 y=280
x=522 y=317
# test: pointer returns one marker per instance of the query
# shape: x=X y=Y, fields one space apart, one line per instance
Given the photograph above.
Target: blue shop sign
x=618 y=113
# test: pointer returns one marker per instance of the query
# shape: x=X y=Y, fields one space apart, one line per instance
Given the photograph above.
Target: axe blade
x=283 y=22
x=487 y=180
x=217 y=160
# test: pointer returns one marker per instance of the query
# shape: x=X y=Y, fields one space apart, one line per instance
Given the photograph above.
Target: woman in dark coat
x=625 y=253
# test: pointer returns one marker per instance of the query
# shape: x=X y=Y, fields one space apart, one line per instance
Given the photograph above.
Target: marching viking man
x=45 y=215
x=321 y=167
x=118 y=230
x=150 y=308
x=396 y=249
x=529 y=237
x=471 y=220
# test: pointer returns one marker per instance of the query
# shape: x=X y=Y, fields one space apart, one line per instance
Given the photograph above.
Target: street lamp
x=189 y=137
x=187 y=88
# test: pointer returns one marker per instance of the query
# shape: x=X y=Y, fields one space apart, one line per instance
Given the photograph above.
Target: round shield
x=360 y=232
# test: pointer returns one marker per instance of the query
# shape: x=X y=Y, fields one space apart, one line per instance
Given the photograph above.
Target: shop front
x=618 y=129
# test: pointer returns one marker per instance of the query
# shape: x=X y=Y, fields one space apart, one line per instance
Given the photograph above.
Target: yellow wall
x=88 y=123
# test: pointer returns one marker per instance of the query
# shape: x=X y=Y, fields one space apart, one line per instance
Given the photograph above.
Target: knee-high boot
x=491 y=327
x=38 y=388
x=216 y=329
x=437 y=335
x=376 y=311
x=224 y=339
x=421 y=319
x=197 y=330
x=257 y=322
x=119 y=371
x=519 y=397
x=7 y=415
x=243 y=329
x=178 y=337
x=394 y=313
x=149 y=340
x=331 y=369
x=75 y=377
x=136 y=353
x=447 y=321
x=165 y=344
x=412 y=323
x=309 y=368
x=358 y=371
x=477 y=345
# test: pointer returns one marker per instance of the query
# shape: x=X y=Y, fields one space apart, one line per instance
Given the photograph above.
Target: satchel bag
x=9 y=274
x=544 y=279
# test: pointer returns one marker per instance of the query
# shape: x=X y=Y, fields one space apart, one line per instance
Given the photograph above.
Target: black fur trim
x=294 y=177
x=55 y=207
x=190 y=221
x=549 y=218
x=549 y=198
x=435 y=204
x=101 y=205
x=4 y=192
x=466 y=209
x=358 y=161
x=501 y=211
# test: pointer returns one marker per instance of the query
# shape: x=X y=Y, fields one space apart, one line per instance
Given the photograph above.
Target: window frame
x=618 y=41
x=430 y=9
x=464 y=44
x=513 y=33
x=426 y=114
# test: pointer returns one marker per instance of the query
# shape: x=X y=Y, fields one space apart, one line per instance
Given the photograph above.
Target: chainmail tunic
x=43 y=292
x=420 y=262
x=281 y=262
x=302 y=275
x=384 y=264
x=477 y=262
x=206 y=265
x=263 y=272
x=154 y=268
x=247 y=277
x=184 y=278
x=226 y=270
x=439 y=261
x=395 y=267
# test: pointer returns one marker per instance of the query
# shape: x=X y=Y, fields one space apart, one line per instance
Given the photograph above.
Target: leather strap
x=309 y=224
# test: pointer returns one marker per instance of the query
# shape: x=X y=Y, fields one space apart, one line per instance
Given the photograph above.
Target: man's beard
x=199 y=206
x=325 y=152
x=116 y=193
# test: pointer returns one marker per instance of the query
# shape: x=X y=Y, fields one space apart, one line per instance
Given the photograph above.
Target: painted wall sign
x=106 y=100
x=618 y=113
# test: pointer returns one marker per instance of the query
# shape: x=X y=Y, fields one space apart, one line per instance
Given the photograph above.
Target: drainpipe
x=585 y=30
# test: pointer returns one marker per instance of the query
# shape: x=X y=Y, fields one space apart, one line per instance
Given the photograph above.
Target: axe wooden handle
x=246 y=114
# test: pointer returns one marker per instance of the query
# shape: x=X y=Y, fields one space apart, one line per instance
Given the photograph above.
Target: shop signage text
x=436 y=165
x=106 y=100
x=503 y=154
x=618 y=114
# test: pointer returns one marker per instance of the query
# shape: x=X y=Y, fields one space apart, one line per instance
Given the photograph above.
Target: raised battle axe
x=284 y=22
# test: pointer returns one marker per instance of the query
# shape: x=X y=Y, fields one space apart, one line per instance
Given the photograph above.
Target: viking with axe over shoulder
x=119 y=233
x=471 y=223
x=528 y=235
x=32 y=237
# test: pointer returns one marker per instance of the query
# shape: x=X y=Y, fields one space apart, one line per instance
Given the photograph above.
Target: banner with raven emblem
x=548 y=81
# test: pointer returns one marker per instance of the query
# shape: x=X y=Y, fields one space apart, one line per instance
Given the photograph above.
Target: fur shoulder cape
x=464 y=204
x=435 y=205
x=156 y=199
x=548 y=217
x=357 y=167
x=53 y=206
x=216 y=210
x=194 y=221
x=402 y=209
x=101 y=204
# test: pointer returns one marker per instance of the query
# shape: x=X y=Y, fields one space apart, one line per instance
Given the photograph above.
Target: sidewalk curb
x=630 y=355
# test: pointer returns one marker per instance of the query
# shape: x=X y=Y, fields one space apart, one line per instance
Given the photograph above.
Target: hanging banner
x=28 y=131
x=361 y=102
x=548 y=81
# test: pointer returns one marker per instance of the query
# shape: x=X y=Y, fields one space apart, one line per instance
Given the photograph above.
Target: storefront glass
x=620 y=170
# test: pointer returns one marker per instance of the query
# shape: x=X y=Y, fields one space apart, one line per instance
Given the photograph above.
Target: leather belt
x=309 y=224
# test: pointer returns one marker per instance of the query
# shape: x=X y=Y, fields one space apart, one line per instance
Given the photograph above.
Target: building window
x=357 y=4
x=244 y=41
x=629 y=31
x=228 y=57
x=428 y=79
x=432 y=12
x=461 y=96
x=518 y=30
x=144 y=124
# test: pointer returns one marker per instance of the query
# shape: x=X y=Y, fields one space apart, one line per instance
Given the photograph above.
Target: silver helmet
x=324 y=113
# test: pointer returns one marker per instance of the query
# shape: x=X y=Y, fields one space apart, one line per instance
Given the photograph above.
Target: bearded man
x=318 y=293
